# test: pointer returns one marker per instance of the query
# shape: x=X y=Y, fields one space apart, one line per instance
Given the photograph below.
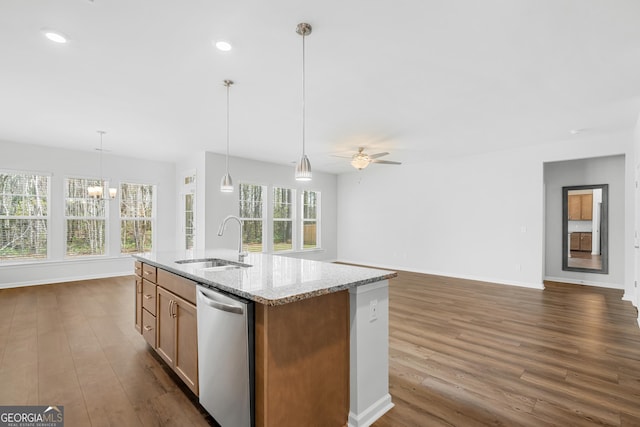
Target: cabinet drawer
x=138 y=268
x=180 y=286
x=149 y=272
x=149 y=296
x=149 y=327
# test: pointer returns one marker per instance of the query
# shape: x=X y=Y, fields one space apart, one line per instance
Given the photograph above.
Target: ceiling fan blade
x=375 y=156
x=342 y=157
x=386 y=162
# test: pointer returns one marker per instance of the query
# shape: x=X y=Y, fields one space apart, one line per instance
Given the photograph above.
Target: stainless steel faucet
x=241 y=253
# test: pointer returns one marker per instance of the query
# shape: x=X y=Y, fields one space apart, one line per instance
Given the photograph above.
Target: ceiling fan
x=361 y=160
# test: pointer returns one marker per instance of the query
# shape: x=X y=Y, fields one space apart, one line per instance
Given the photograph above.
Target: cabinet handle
x=175 y=309
x=147 y=296
x=147 y=273
x=147 y=328
x=170 y=305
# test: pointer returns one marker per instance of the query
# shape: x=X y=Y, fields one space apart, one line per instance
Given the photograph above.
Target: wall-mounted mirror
x=584 y=228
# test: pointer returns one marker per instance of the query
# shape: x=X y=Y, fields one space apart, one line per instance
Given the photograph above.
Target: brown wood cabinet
x=177 y=336
x=581 y=241
x=166 y=316
x=580 y=207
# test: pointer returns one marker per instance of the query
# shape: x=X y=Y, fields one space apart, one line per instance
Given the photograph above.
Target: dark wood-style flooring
x=465 y=353
x=462 y=353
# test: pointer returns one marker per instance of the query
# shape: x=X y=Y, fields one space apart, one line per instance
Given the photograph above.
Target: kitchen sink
x=213 y=264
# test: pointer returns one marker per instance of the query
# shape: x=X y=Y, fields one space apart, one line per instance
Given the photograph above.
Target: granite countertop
x=268 y=279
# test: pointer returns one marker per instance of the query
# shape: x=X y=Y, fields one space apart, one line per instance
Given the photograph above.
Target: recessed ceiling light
x=223 y=46
x=55 y=36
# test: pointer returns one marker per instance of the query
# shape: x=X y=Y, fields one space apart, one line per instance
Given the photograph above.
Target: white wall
x=64 y=163
x=601 y=170
x=479 y=217
x=213 y=206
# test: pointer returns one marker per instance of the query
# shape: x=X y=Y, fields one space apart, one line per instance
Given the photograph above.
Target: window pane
x=85 y=237
x=282 y=236
x=310 y=235
x=23 y=194
x=252 y=236
x=23 y=239
x=282 y=203
x=78 y=203
x=309 y=204
x=136 y=200
x=250 y=201
x=135 y=236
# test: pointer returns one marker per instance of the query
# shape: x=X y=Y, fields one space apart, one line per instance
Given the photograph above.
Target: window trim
x=297 y=209
x=266 y=244
x=66 y=218
x=153 y=218
x=187 y=189
x=317 y=220
x=291 y=219
x=46 y=217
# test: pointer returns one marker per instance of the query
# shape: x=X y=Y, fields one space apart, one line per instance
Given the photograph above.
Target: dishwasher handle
x=220 y=305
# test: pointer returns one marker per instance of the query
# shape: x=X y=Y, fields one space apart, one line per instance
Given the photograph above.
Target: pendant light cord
x=101 y=132
x=227 y=83
x=303 y=96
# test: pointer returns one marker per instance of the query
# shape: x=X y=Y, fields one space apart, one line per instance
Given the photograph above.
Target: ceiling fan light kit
x=303 y=168
x=361 y=160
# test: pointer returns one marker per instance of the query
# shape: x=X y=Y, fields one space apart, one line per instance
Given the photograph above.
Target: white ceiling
x=422 y=79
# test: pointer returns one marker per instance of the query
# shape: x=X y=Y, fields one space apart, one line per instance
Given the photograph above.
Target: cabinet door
x=575 y=207
x=165 y=326
x=186 y=360
x=586 y=207
x=138 y=313
x=575 y=241
x=585 y=242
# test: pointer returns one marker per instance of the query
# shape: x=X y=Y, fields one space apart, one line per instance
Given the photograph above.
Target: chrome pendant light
x=303 y=168
x=98 y=191
x=226 y=183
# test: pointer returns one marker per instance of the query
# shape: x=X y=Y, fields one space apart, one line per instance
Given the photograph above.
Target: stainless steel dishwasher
x=225 y=357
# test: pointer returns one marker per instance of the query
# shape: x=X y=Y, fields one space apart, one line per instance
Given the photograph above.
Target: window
x=189 y=211
x=24 y=215
x=189 y=228
x=251 y=214
x=86 y=218
x=136 y=217
x=310 y=219
x=282 y=219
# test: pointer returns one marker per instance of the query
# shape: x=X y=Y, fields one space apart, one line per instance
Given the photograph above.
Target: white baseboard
x=63 y=279
x=372 y=413
x=453 y=275
x=585 y=282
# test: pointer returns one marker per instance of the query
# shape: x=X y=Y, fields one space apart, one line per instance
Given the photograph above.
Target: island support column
x=369 y=396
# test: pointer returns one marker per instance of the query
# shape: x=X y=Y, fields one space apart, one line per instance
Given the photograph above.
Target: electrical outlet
x=373 y=310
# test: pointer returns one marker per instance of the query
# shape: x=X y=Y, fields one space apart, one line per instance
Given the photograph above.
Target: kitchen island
x=320 y=330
